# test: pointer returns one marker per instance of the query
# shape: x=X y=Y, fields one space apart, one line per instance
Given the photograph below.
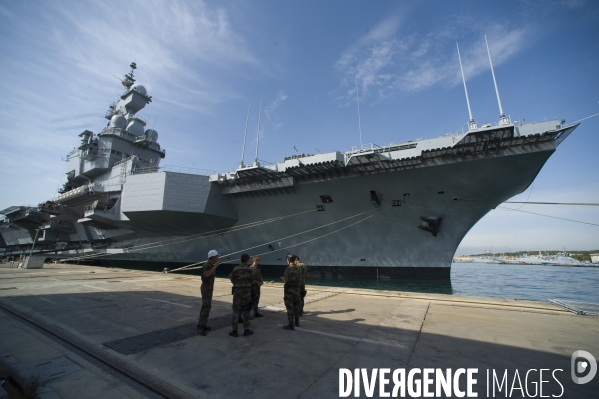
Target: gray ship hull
x=398 y=211
x=353 y=236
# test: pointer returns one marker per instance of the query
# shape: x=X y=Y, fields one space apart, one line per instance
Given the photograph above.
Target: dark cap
x=291 y=257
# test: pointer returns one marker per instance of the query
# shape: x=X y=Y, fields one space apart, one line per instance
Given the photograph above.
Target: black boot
x=234 y=333
x=256 y=314
x=201 y=330
x=297 y=322
x=247 y=332
x=289 y=327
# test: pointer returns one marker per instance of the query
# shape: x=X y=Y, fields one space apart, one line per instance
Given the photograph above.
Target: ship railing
x=385 y=149
x=461 y=129
x=97 y=207
x=365 y=148
x=73 y=152
x=123 y=160
x=119 y=132
x=175 y=169
x=128 y=136
x=262 y=161
x=464 y=128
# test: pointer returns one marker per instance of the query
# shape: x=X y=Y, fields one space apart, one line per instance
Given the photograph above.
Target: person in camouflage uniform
x=302 y=286
x=242 y=278
x=206 y=289
x=291 y=278
x=258 y=281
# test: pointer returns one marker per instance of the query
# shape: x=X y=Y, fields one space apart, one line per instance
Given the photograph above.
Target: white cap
x=212 y=253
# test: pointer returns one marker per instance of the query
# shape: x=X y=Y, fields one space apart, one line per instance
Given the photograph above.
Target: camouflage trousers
x=292 y=302
x=302 y=293
x=242 y=299
x=256 y=290
x=206 y=304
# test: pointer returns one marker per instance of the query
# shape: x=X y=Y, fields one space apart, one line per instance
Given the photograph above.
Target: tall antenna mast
x=503 y=119
x=359 y=121
x=256 y=163
x=472 y=124
x=128 y=80
x=241 y=165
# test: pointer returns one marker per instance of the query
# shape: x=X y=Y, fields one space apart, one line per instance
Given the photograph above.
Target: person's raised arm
x=210 y=272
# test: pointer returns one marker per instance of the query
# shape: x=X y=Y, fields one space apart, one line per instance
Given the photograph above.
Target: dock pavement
x=94 y=332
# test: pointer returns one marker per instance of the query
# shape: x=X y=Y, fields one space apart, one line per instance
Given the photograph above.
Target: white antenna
x=504 y=120
x=359 y=121
x=256 y=163
x=472 y=124
x=241 y=165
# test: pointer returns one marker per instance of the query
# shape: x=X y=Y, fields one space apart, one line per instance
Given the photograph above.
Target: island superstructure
x=396 y=211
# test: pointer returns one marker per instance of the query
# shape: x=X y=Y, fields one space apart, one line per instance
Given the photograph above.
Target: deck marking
x=370 y=341
x=98 y=288
x=172 y=303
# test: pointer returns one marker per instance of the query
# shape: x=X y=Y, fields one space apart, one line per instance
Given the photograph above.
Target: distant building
x=594 y=258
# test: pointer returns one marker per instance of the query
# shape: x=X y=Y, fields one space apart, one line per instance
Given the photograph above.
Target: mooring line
x=197 y=265
x=191 y=237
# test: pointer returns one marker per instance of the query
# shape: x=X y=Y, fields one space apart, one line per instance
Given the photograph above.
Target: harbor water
x=539 y=283
x=527 y=282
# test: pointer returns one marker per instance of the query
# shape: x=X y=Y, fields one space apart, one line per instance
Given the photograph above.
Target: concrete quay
x=98 y=332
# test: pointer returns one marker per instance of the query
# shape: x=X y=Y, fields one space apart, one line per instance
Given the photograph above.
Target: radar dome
x=152 y=135
x=135 y=127
x=118 y=121
x=140 y=89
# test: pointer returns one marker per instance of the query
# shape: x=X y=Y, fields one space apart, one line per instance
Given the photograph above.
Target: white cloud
x=387 y=61
x=269 y=110
x=58 y=66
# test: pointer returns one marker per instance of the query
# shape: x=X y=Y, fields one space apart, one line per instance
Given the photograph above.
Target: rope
x=198 y=265
x=283 y=238
x=194 y=236
x=529 y=193
x=553 y=203
x=553 y=217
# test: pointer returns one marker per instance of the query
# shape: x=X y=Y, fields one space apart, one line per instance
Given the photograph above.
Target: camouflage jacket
x=207 y=282
x=303 y=272
x=257 y=276
x=292 y=274
x=242 y=276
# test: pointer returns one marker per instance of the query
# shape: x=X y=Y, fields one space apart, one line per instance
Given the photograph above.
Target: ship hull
x=398 y=211
x=353 y=236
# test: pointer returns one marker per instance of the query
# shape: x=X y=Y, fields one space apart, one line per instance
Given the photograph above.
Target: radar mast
x=128 y=79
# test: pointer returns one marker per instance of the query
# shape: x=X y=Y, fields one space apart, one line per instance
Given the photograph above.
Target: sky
x=205 y=63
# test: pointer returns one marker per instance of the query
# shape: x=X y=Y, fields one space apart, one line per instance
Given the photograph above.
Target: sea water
x=539 y=283
x=531 y=282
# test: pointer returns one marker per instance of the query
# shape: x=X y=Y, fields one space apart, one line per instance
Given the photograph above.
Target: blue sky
x=205 y=62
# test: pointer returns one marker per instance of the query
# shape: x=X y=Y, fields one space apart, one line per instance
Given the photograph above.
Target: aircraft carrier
x=396 y=211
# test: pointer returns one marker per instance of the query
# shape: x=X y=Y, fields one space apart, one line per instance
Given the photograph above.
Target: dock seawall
x=98 y=332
